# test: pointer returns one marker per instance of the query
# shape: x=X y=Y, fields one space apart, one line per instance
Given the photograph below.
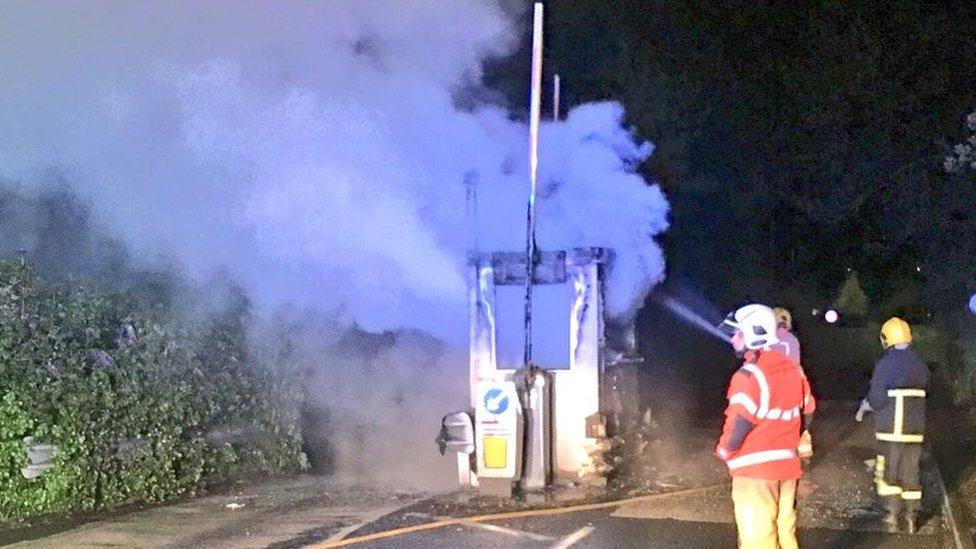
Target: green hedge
x=142 y=407
x=962 y=361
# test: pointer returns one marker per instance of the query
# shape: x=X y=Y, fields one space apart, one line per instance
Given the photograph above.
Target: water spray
x=693 y=318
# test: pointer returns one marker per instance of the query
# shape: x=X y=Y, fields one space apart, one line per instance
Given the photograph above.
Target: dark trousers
x=896 y=475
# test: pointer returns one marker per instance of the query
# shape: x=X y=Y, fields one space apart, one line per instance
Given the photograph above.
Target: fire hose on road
x=507 y=516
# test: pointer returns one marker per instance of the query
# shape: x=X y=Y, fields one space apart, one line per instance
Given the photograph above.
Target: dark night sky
x=795 y=140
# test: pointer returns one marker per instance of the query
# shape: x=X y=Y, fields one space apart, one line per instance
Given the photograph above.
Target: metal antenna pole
x=555 y=97
x=471 y=210
x=534 y=112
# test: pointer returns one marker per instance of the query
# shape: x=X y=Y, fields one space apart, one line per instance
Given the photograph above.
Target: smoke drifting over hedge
x=318 y=155
x=312 y=150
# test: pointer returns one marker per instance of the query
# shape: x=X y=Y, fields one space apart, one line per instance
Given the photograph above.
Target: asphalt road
x=837 y=506
x=600 y=529
x=684 y=503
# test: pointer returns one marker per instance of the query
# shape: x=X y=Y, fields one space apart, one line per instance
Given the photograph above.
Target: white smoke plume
x=311 y=148
x=313 y=151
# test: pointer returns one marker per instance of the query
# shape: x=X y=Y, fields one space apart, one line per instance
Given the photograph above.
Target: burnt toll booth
x=552 y=381
x=557 y=429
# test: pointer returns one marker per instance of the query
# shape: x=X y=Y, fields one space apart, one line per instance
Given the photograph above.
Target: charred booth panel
x=550 y=347
x=568 y=328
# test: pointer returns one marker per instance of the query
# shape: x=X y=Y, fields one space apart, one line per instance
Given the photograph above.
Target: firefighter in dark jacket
x=897 y=398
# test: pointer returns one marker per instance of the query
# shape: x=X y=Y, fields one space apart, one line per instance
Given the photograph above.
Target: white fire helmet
x=757 y=324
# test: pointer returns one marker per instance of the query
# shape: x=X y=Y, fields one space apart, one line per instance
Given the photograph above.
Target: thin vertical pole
x=555 y=97
x=534 y=113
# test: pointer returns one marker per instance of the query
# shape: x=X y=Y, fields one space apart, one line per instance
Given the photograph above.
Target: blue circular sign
x=496 y=401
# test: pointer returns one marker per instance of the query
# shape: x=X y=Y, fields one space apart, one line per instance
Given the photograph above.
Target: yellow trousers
x=765 y=513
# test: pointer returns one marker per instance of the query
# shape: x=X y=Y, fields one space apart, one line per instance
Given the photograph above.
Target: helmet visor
x=729 y=326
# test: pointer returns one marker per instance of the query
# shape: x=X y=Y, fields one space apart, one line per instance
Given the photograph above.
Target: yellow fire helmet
x=783 y=317
x=894 y=332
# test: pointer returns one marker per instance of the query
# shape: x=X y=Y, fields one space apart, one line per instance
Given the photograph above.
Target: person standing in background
x=789 y=345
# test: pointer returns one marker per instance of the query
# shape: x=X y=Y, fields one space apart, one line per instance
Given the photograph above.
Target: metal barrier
x=40 y=458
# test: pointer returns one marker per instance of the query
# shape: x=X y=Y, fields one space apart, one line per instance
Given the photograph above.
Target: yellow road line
x=505 y=516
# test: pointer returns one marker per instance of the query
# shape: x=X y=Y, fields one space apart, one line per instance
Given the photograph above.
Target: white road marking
x=364 y=519
x=507 y=531
x=573 y=538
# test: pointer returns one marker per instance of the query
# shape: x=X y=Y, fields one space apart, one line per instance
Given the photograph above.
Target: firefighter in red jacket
x=767 y=401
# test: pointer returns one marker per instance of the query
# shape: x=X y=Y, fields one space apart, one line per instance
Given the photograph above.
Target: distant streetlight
x=831 y=316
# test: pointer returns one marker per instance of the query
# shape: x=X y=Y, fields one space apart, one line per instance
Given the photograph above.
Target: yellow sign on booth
x=495 y=452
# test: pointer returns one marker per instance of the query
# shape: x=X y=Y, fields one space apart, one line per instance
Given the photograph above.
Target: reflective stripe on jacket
x=897 y=395
x=768 y=392
x=908 y=417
